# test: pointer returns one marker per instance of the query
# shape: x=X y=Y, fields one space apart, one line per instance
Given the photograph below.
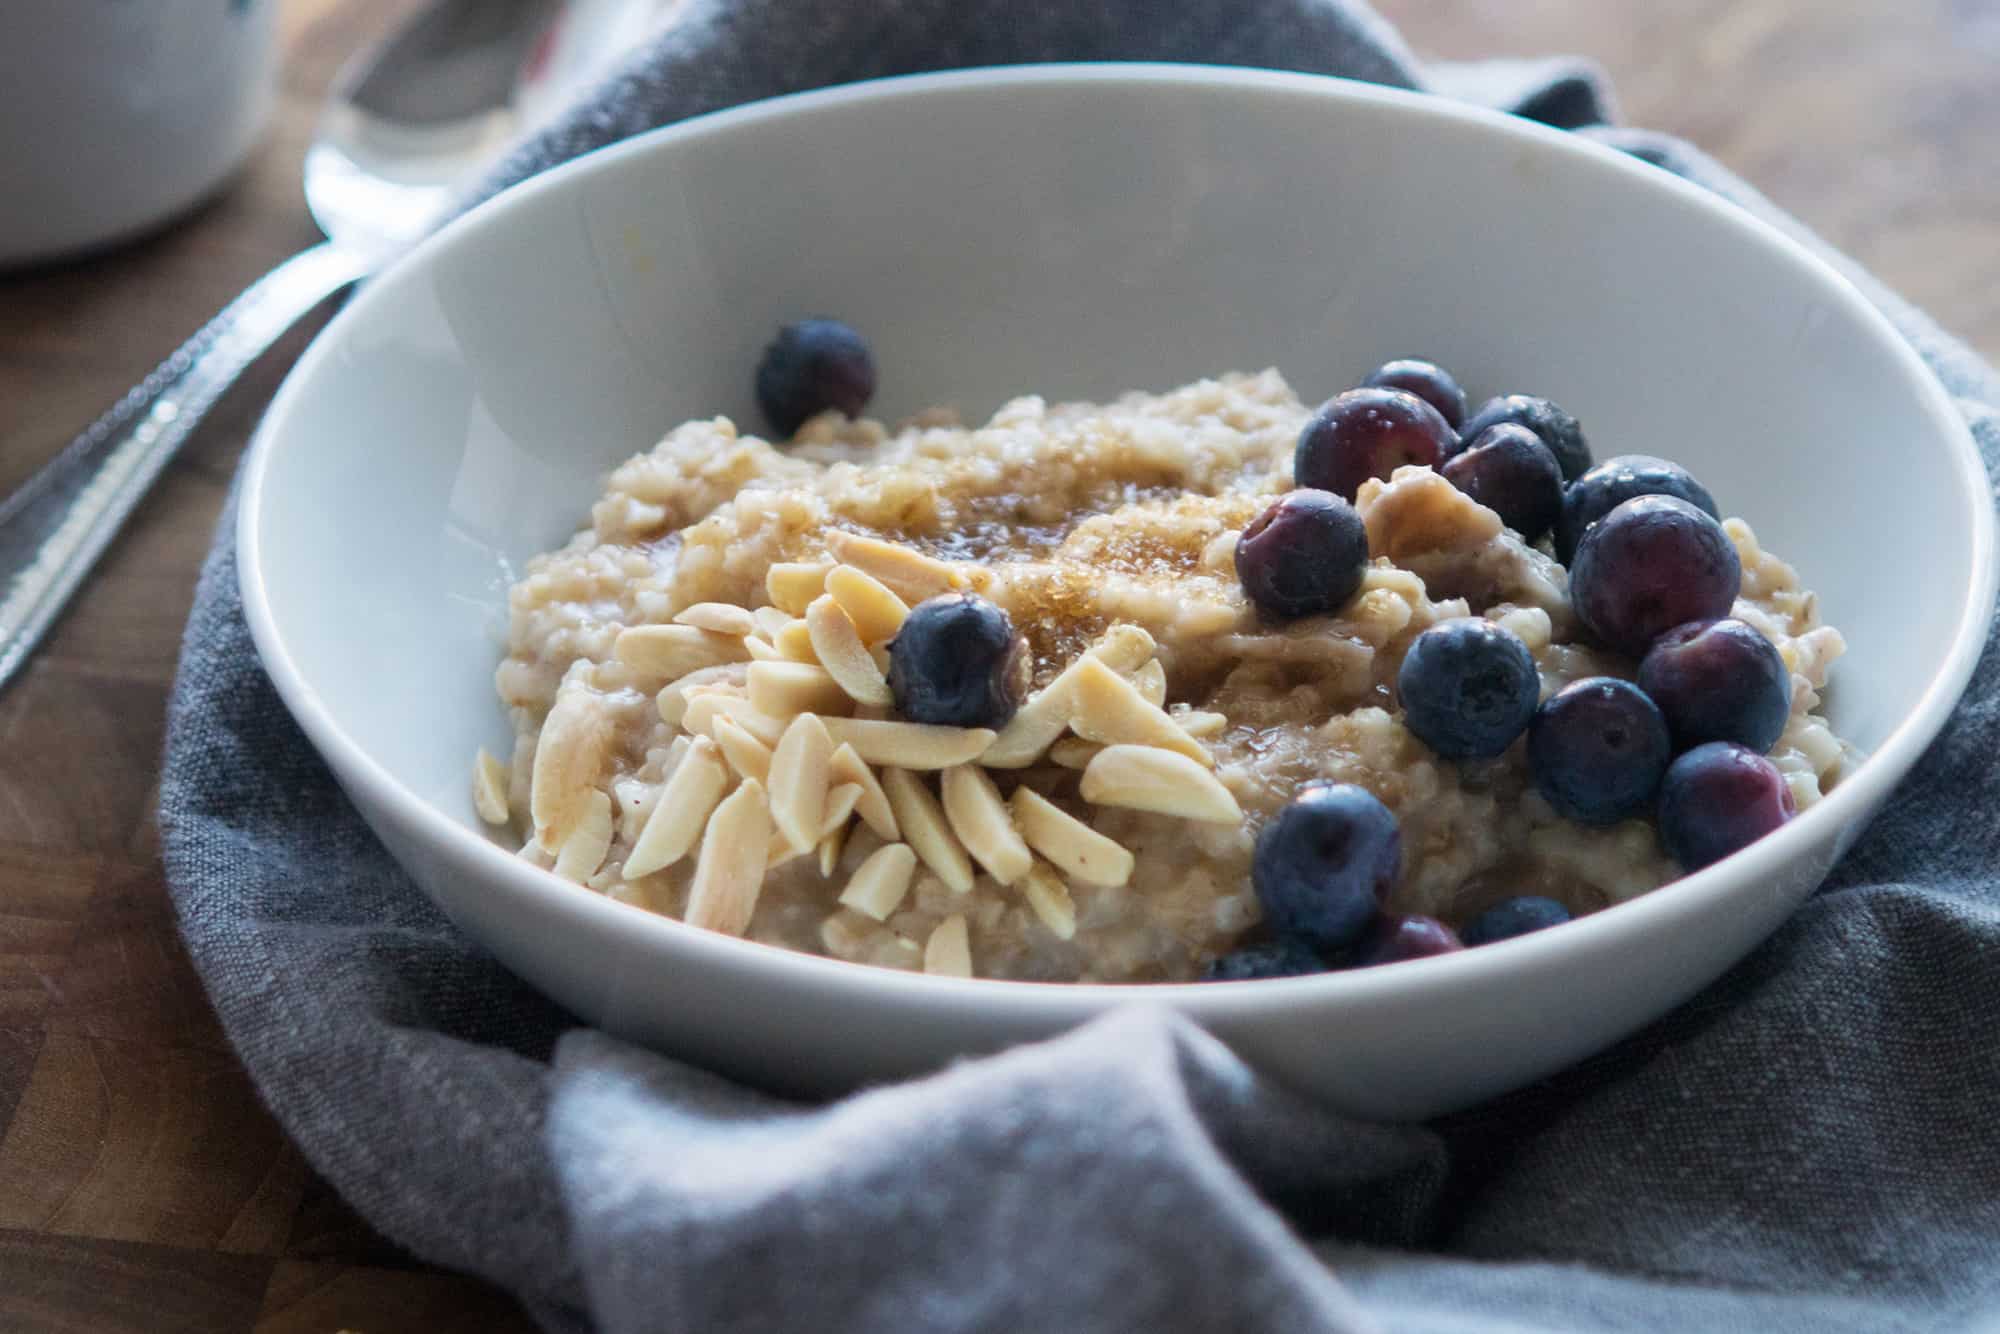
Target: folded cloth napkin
x=1807 y=1146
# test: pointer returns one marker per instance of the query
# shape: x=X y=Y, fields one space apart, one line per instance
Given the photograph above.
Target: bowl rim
x=1602 y=934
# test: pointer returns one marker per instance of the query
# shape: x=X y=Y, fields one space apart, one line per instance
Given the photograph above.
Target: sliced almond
x=1199 y=723
x=798 y=781
x=779 y=851
x=879 y=884
x=783 y=689
x=770 y=620
x=1104 y=706
x=1071 y=844
x=1146 y=778
x=673 y=697
x=670 y=651
x=908 y=573
x=763 y=650
x=948 y=952
x=876 y=611
x=1036 y=725
x=489 y=788
x=973 y=807
x=829 y=850
x=1048 y=897
x=923 y=824
x=691 y=792
x=1073 y=752
x=872 y=805
x=1151 y=683
x=909 y=745
x=746 y=754
x=838 y=646
x=568 y=755
x=724 y=618
x=839 y=808
x=583 y=851
x=730 y=871
x=792 y=586
x=795 y=643
x=705 y=705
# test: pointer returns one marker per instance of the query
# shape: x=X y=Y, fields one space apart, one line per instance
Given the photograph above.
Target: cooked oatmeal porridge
x=699 y=685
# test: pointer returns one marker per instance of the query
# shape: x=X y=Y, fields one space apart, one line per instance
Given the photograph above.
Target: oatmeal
x=700 y=687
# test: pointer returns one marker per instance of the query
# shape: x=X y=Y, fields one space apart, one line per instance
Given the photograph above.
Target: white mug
x=116 y=115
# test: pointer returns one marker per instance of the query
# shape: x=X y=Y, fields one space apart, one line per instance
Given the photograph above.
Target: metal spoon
x=409 y=121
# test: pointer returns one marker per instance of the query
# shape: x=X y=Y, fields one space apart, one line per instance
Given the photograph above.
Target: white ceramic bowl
x=1079 y=231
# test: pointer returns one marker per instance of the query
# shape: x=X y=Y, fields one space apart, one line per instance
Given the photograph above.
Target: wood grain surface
x=142 y=1185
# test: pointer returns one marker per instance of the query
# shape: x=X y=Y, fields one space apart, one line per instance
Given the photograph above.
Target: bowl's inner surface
x=1079 y=240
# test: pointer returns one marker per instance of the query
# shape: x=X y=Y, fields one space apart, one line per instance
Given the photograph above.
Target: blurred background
x=142 y=1187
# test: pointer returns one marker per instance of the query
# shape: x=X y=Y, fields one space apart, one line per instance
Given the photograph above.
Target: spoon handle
x=53 y=529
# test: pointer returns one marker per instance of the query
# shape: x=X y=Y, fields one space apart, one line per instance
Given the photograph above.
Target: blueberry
x=1277 y=958
x=1719 y=681
x=1717 y=798
x=1427 y=380
x=1615 y=481
x=811 y=366
x=1468 y=688
x=957 y=661
x=1651 y=564
x=1558 y=430
x=1324 y=864
x=1514 y=917
x=1597 y=748
x=1511 y=472
x=1303 y=556
x=1367 y=433
x=1393 y=939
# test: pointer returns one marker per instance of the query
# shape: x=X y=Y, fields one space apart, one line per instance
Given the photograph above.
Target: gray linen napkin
x=1807 y=1146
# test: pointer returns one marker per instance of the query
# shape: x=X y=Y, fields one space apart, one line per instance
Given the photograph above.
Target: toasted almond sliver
x=829 y=851
x=1070 y=843
x=489 y=788
x=568 y=755
x=948 y=952
x=783 y=689
x=583 y=851
x=839 y=808
x=792 y=586
x=872 y=805
x=746 y=754
x=1146 y=778
x=878 y=885
x=763 y=650
x=923 y=824
x=1199 y=723
x=1036 y=725
x=1073 y=752
x=724 y=618
x=876 y=611
x=673 y=697
x=794 y=641
x=1104 y=706
x=730 y=871
x=979 y=817
x=1049 y=897
x=670 y=651
x=909 y=745
x=692 y=791
x=1151 y=683
x=770 y=620
x=908 y=573
x=839 y=648
x=798 y=781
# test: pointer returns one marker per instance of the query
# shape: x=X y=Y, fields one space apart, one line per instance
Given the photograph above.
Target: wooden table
x=142 y=1187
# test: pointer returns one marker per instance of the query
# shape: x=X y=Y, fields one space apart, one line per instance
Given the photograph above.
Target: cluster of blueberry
x=1653 y=576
